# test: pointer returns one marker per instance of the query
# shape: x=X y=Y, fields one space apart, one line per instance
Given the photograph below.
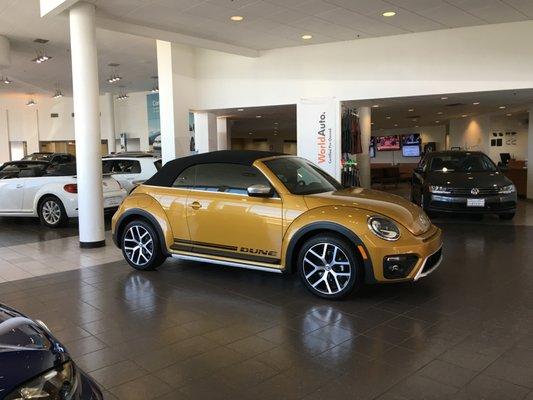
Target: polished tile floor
x=195 y=331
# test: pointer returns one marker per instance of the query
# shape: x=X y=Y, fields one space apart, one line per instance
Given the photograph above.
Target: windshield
x=301 y=177
x=461 y=162
x=38 y=157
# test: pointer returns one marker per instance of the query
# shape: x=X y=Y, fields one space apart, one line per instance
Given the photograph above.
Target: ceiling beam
x=107 y=23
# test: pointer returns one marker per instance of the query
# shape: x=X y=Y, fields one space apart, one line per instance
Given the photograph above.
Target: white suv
x=131 y=169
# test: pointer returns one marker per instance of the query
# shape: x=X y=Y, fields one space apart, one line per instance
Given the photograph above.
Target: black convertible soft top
x=170 y=171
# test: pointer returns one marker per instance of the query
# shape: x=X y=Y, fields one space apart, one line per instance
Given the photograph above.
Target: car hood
x=395 y=207
x=467 y=180
x=26 y=350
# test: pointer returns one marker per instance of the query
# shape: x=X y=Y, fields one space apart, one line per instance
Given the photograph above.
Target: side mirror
x=259 y=191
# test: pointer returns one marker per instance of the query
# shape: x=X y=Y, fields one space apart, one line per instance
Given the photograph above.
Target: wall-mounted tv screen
x=388 y=143
x=372 y=148
x=411 y=145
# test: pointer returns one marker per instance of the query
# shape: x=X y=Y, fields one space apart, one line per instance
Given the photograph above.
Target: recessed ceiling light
x=444 y=98
x=375 y=106
x=411 y=110
x=275 y=123
x=307 y=37
x=440 y=113
x=395 y=124
x=464 y=115
x=437 y=122
x=258 y=116
x=240 y=109
x=388 y=117
x=237 y=18
x=476 y=103
x=371 y=123
x=275 y=134
x=416 y=126
x=250 y=133
x=389 y=14
x=502 y=107
x=509 y=115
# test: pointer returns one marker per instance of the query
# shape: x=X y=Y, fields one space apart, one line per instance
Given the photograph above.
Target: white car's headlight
x=507 y=189
x=57 y=383
x=439 y=190
x=384 y=228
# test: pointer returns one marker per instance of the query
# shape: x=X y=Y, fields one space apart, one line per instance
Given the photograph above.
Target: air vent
x=455 y=104
x=54 y=115
x=41 y=41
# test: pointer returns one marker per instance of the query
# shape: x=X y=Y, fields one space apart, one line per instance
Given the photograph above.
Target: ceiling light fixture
x=123 y=95
x=444 y=98
x=237 y=18
x=58 y=93
x=440 y=113
x=114 y=77
x=388 y=117
x=475 y=103
x=307 y=37
x=509 y=115
x=502 y=107
x=258 y=116
x=240 y=109
x=437 y=122
x=375 y=106
x=464 y=115
x=389 y=14
x=250 y=133
x=411 y=110
x=6 y=80
x=31 y=103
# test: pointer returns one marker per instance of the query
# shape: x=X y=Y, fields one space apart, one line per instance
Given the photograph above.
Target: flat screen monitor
x=411 y=150
x=411 y=139
x=372 y=147
x=388 y=143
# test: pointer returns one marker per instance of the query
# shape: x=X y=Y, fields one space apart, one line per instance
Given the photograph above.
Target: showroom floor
x=195 y=331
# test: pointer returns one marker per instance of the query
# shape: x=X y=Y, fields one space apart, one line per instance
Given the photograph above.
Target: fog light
x=398 y=266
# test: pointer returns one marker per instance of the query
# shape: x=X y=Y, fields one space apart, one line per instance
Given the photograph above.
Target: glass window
x=462 y=162
x=186 y=178
x=228 y=178
x=302 y=177
x=125 y=167
x=158 y=164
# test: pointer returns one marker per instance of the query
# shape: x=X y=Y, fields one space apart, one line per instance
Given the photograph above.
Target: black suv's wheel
x=52 y=212
x=328 y=267
x=140 y=246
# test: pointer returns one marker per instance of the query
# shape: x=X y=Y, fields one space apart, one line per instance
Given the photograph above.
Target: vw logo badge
x=475 y=191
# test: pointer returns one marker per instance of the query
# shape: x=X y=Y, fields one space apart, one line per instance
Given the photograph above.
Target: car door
x=11 y=195
x=225 y=221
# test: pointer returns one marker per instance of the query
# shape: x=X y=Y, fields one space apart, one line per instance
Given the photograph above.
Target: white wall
x=475 y=133
x=427 y=134
x=33 y=124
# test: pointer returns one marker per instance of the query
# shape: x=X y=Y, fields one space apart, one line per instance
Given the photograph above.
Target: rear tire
x=329 y=267
x=51 y=212
x=141 y=247
x=507 y=216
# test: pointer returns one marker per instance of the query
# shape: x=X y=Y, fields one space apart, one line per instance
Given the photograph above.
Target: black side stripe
x=204 y=244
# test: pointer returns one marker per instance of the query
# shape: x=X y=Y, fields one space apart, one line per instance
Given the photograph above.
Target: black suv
x=462 y=182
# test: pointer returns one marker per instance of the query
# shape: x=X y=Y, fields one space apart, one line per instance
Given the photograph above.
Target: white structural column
x=530 y=155
x=175 y=69
x=363 y=159
x=87 y=124
x=4 y=137
x=109 y=123
x=205 y=132
x=223 y=140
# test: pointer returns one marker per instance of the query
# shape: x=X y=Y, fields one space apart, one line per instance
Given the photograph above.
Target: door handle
x=196 y=205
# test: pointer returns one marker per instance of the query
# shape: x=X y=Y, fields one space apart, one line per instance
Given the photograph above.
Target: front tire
x=328 y=267
x=51 y=212
x=141 y=247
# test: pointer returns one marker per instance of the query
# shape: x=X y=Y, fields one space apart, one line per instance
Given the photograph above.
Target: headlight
x=507 y=189
x=56 y=384
x=439 y=190
x=384 y=228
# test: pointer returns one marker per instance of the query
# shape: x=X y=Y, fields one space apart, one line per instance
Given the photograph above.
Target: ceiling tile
x=492 y=11
x=451 y=16
x=523 y=6
x=360 y=22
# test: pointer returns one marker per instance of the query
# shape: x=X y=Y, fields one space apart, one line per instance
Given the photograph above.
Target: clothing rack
x=350 y=147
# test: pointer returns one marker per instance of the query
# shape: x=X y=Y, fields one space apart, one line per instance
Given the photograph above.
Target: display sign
x=317 y=134
x=388 y=143
x=154 y=122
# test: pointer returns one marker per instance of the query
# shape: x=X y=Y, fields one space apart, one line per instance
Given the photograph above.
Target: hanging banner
x=154 y=123
x=317 y=133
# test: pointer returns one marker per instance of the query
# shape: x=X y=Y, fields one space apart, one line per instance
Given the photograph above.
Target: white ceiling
x=280 y=23
x=438 y=110
x=268 y=24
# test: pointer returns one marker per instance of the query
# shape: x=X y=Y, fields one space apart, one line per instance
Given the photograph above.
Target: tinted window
x=461 y=162
x=186 y=178
x=302 y=177
x=228 y=178
x=158 y=164
x=122 y=166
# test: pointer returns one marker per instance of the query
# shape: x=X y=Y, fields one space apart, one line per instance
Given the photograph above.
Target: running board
x=227 y=263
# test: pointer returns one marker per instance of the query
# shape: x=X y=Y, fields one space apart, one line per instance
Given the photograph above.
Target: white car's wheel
x=52 y=212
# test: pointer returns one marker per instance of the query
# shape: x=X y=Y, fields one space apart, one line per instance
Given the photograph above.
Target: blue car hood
x=26 y=350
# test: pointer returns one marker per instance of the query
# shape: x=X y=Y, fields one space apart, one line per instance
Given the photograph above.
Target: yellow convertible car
x=275 y=213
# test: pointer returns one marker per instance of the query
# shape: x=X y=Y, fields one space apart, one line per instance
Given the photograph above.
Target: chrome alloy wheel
x=51 y=212
x=138 y=245
x=327 y=268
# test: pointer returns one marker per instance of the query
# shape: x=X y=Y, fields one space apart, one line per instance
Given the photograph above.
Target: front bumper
x=88 y=389
x=496 y=204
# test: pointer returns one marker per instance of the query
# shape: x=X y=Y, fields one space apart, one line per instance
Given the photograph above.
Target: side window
x=106 y=166
x=227 y=178
x=186 y=178
x=126 y=167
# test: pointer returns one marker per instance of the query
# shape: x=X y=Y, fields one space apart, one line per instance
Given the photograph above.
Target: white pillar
x=4 y=137
x=109 y=126
x=530 y=156
x=363 y=159
x=87 y=124
x=205 y=131
x=223 y=141
x=175 y=70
